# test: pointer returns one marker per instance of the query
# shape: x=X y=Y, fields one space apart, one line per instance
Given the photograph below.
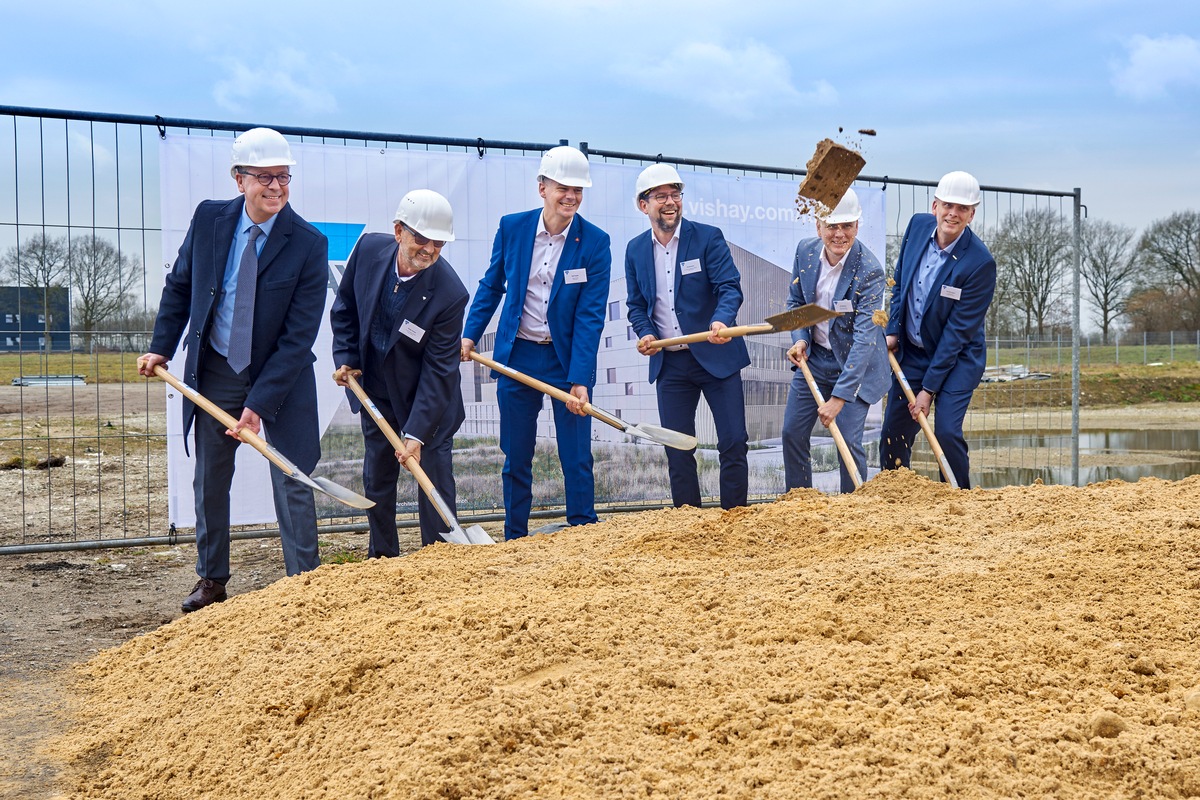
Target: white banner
x=346 y=190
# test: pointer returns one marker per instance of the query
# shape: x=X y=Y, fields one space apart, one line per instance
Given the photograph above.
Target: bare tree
x=39 y=262
x=1108 y=269
x=102 y=279
x=1033 y=248
x=1170 y=250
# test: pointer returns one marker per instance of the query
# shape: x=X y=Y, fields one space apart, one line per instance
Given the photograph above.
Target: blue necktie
x=242 y=329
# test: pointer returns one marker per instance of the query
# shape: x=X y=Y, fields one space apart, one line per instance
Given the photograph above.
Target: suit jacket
x=952 y=329
x=711 y=294
x=293 y=273
x=422 y=373
x=576 y=313
x=856 y=341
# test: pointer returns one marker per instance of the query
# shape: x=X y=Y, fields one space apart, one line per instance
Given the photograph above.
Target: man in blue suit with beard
x=550 y=267
x=248 y=289
x=397 y=321
x=846 y=355
x=945 y=278
x=680 y=279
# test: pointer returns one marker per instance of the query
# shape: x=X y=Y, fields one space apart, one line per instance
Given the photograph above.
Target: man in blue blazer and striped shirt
x=945 y=278
x=550 y=267
x=680 y=279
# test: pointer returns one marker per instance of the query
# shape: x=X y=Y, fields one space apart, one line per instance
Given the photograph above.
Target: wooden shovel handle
x=394 y=438
x=943 y=464
x=838 y=439
x=727 y=333
x=225 y=418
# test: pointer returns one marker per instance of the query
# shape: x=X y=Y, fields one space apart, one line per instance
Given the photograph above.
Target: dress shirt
x=547 y=250
x=931 y=263
x=665 y=263
x=826 y=286
x=223 y=317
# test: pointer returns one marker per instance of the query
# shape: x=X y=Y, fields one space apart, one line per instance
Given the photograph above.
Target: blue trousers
x=381 y=470
x=680 y=383
x=519 y=409
x=801 y=414
x=900 y=429
x=295 y=506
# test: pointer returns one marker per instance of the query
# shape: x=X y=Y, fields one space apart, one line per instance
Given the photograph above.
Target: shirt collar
x=542 y=228
x=245 y=223
x=948 y=249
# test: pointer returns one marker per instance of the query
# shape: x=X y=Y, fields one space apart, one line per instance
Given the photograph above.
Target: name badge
x=953 y=292
x=844 y=307
x=575 y=276
x=689 y=267
x=412 y=330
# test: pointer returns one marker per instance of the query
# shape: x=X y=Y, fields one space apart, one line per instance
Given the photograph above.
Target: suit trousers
x=801 y=415
x=900 y=429
x=295 y=506
x=680 y=383
x=519 y=409
x=381 y=470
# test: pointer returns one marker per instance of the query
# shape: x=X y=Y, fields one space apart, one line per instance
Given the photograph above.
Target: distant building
x=23 y=323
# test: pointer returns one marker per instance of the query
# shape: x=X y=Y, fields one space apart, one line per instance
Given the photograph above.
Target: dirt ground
x=898 y=642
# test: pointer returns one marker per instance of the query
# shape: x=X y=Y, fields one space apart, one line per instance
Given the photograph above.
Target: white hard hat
x=958 y=187
x=427 y=213
x=261 y=147
x=655 y=175
x=848 y=210
x=567 y=166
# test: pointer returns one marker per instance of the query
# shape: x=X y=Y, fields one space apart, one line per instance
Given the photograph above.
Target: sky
x=1050 y=95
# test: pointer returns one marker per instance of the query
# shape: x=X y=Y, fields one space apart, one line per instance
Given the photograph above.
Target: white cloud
x=1155 y=65
x=288 y=78
x=102 y=157
x=741 y=83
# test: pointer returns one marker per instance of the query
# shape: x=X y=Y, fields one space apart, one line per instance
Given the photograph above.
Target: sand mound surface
x=906 y=640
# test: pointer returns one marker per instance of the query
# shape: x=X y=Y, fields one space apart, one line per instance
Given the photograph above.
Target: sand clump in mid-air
x=905 y=640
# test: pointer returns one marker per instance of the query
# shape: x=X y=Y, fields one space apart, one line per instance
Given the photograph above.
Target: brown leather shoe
x=204 y=593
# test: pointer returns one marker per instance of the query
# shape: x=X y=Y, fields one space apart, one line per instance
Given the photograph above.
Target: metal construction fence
x=85 y=459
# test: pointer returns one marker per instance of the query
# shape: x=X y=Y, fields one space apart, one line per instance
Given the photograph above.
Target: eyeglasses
x=663 y=197
x=424 y=240
x=265 y=178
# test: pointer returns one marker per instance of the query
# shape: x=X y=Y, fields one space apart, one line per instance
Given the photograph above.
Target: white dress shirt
x=547 y=250
x=666 y=261
x=826 y=286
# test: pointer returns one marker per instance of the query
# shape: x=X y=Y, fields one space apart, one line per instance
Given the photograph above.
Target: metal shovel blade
x=477 y=535
x=664 y=436
x=802 y=317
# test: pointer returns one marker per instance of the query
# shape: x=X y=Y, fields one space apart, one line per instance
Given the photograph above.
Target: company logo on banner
x=346 y=191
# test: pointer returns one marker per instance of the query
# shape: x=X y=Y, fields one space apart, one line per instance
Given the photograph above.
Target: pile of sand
x=906 y=640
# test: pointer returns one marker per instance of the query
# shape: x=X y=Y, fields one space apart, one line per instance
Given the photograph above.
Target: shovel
x=456 y=535
x=838 y=439
x=790 y=320
x=324 y=485
x=655 y=433
x=943 y=464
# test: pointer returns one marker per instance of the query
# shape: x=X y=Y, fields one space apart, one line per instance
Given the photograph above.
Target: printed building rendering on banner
x=348 y=190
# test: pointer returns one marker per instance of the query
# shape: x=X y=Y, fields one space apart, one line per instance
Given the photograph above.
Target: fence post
x=1172 y=350
x=1145 y=360
x=1117 y=341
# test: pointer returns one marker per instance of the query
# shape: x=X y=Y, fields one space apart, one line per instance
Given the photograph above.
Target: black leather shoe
x=204 y=593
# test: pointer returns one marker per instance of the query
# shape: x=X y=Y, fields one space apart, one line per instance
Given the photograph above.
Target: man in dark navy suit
x=397 y=321
x=945 y=278
x=248 y=288
x=680 y=279
x=550 y=269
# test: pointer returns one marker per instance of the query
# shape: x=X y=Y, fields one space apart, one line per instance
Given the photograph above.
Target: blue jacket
x=856 y=341
x=952 y=329
x=711 y=294
x=422 y=374
x=293 y=276
x=576 y=313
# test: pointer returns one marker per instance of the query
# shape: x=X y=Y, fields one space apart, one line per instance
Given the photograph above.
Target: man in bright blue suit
x=551 y=268
x=680 y=279
x=945 y=278
x=846 y=355
x=248 y=289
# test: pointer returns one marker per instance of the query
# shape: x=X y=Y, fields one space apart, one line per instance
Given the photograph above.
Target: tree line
x=104 y=283
x=1132 y=283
